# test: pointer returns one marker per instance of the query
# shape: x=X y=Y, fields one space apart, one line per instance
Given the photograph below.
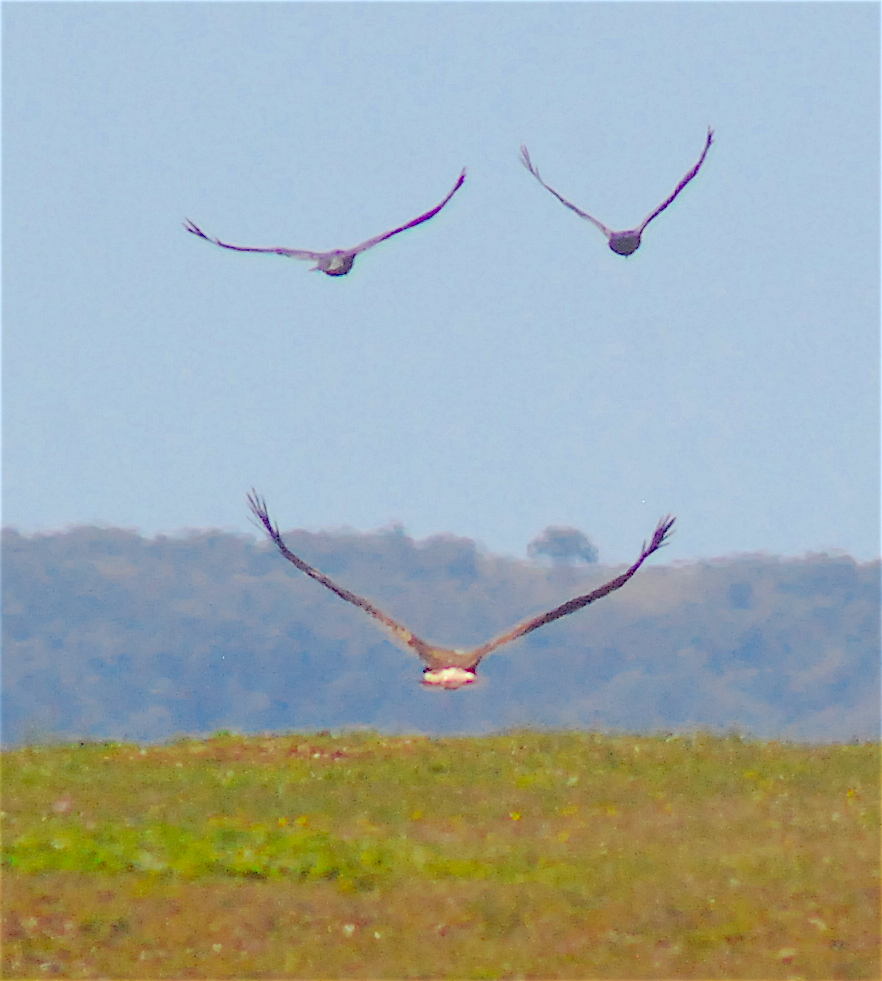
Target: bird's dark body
x=625 y=243
x=338 y=267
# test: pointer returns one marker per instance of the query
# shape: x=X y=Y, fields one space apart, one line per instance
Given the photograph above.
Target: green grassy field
x=529 y=854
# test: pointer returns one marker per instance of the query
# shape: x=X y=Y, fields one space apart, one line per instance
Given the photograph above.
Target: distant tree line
x=107 y=634
x=563 y=545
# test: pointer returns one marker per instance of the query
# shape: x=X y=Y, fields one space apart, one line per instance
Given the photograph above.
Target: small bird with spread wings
x=336 y=262
x=446 y=668
x=627 y=242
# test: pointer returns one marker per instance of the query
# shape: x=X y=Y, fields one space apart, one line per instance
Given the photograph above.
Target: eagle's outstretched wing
x=292 y=253
x=628 y=241
x=449 y=668
x=416 y=221
x=682 y=184
x=525 y=160
x=662 y=532
x=398 y=631
x=334 y=262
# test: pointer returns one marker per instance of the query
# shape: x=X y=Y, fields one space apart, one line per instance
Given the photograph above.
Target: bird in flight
x=624 y=243
x=453 y=668
x=336 y=262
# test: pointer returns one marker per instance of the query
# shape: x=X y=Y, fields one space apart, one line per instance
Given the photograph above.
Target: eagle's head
x=449 y=677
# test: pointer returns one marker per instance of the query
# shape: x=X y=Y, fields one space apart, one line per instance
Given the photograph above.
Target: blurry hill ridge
x=110 y=635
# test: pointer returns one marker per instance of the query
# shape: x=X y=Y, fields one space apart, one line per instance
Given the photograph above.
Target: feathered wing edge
x=369 y=243
x=194 y=229
x=662 y=532
x=682 y=184
x=525 y=160
x=402 y=635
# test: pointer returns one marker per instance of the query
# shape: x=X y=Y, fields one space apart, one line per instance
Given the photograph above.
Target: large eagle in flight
x=446 y=668
x=624 y=243
x=336 y=262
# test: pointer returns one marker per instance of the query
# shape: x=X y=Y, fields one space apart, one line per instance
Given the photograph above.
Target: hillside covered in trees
x=107 y=634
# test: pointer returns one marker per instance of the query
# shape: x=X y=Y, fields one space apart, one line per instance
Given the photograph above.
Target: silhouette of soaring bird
x=624 y=243
x=446 y=668
x=336 y=262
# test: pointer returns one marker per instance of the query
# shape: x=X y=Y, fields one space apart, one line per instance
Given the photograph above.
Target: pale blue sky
x=496 y=370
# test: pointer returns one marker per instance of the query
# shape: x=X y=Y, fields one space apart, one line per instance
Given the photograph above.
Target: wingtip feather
x=663 y=531
x=259 y=510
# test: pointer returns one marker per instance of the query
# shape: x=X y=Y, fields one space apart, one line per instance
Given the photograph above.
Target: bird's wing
x=525 y=160
x=292 y=253
x=399 y=632
x=417 y=221
x=658 y=539
x=683 y=183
